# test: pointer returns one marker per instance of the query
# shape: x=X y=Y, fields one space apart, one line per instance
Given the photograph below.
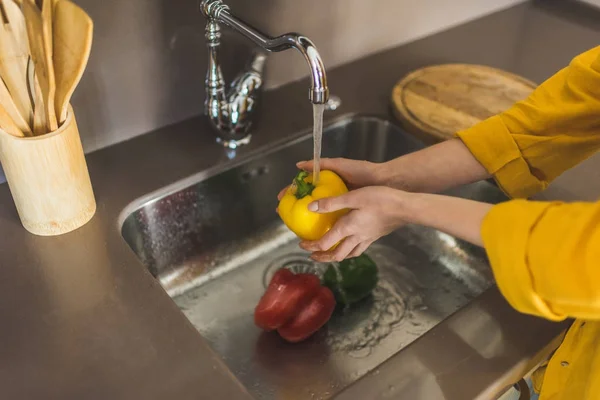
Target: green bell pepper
x=352 y=279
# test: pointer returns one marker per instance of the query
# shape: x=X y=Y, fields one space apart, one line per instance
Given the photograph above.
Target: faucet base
x=234 y=143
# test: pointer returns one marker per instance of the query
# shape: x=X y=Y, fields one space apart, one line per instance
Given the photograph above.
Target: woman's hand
x=355 y=173
x=375 y=211
x=431 y=170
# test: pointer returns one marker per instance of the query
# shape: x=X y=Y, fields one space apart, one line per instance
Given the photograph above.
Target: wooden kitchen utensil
x=49 y=179
x=47 y=16
x=40 y=45
x=10 y=108
x=72 y=45
x=14 y=56
x=16 y=26
x=7 y=123
x=39 y=126
x=437 y=101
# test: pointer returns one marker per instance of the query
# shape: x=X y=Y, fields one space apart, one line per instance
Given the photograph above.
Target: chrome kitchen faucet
x=233 y=113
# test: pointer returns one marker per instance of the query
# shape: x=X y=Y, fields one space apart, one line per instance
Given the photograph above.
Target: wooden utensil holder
x=49 y=179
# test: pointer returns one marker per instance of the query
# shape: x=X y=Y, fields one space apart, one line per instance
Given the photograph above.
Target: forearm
x=434 y=169
x=455 y=216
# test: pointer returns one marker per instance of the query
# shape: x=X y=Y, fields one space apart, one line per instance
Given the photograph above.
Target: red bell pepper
x=294 y=304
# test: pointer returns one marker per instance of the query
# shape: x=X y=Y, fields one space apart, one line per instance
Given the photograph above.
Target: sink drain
x=295 y=262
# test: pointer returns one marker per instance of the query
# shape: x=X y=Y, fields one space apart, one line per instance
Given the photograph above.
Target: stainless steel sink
x=214 y=243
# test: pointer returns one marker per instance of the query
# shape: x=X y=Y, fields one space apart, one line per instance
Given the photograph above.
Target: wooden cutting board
x=437 y=101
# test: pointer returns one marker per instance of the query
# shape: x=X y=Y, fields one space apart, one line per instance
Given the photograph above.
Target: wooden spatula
x=8 y=125
x=41 y=54
x=10 y=108
x=39 y=125
x=7 y=122
x=14 y=56
x=73 y=30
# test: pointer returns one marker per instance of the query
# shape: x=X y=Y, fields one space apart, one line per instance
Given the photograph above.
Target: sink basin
x=214 y=243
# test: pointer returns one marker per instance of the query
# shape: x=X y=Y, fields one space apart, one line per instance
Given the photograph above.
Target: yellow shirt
x=546 y=255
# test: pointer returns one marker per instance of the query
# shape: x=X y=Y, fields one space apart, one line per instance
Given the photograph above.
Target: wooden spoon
x=47 y=16
x=73 y=30
x=41 y=54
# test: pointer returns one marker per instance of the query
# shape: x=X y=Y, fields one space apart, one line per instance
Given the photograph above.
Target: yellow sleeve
x=546 y=257
x=537 y=139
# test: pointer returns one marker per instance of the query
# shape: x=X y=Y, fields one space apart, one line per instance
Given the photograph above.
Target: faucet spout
x=216 y=10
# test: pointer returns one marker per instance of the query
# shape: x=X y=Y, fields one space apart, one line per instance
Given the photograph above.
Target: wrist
x=380 y=174
x=402 y=207
x=398 y=174
x=411 y=207
x=387 y=174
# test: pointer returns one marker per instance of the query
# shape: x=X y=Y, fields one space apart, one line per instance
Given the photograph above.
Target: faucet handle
x=244 y=92
x=257 y=61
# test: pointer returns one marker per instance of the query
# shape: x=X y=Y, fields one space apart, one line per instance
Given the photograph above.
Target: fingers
x=339 y=231
x=359 y=249
x=339 y=253
x=305 y=165
x=325 y=163
x=282 y=193
x=331 y=204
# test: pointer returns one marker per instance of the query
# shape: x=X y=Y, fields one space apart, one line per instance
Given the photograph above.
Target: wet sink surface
x=214 y=244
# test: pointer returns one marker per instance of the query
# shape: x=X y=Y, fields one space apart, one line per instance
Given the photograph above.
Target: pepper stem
x=303 y=188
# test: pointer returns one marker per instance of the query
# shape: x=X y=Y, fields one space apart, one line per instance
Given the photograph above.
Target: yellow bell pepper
x=293 y=206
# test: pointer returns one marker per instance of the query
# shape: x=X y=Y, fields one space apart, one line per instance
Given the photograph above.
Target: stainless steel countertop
x=83 y=319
